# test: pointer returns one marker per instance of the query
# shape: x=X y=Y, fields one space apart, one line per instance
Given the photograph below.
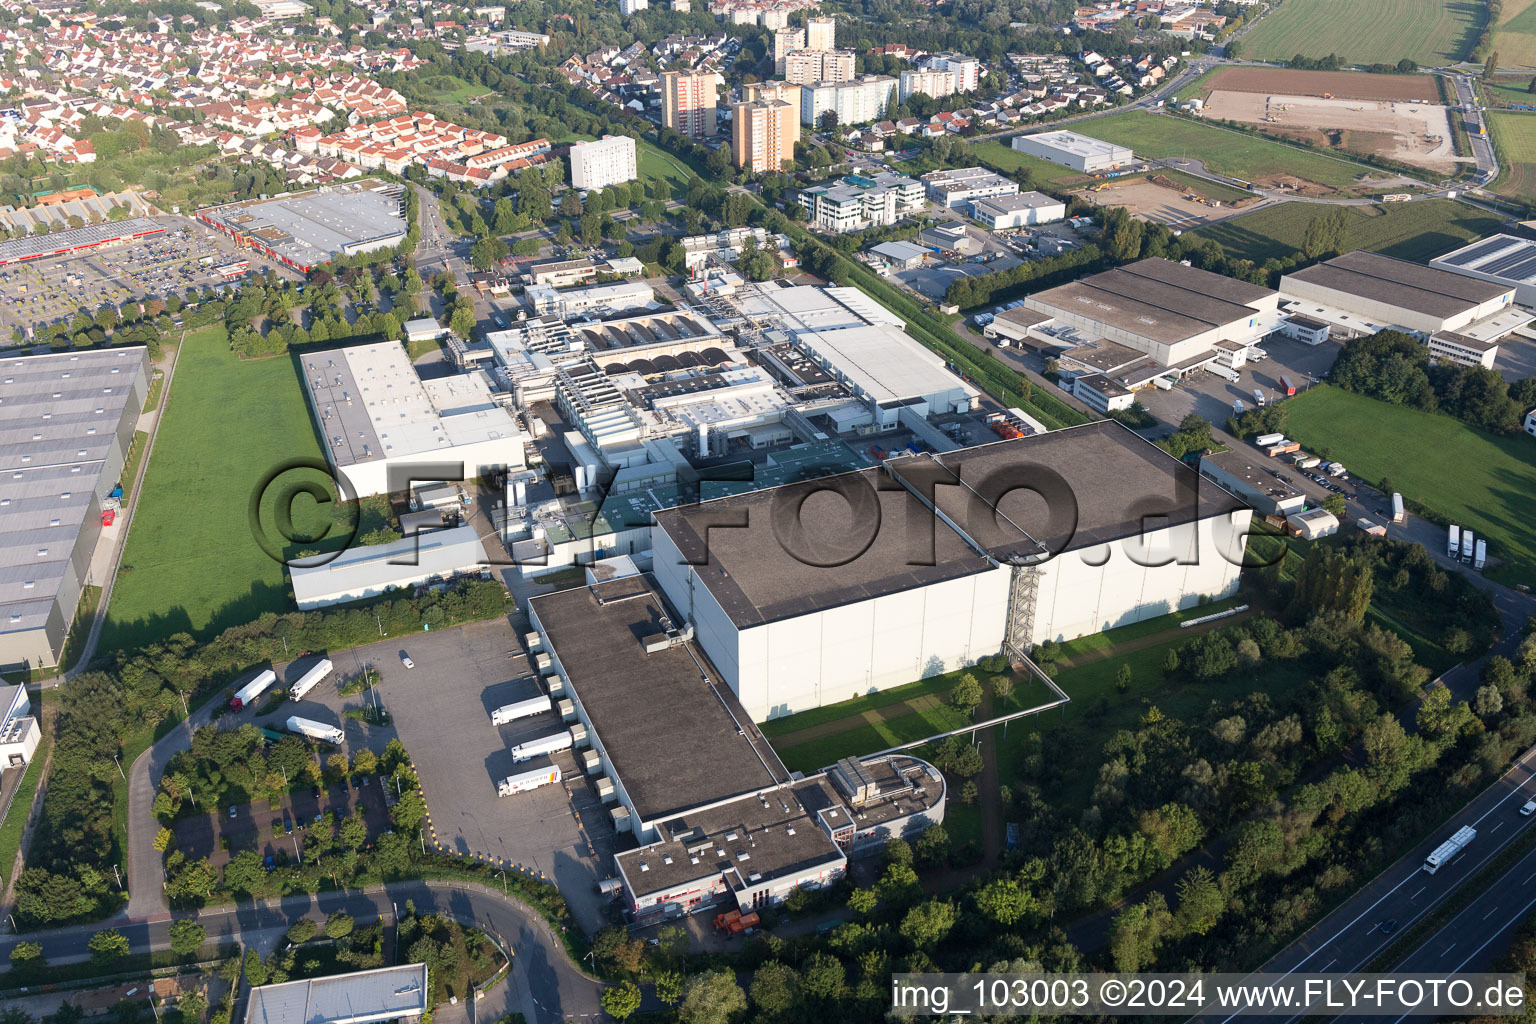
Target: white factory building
x=1070 y=149
x=1505 y=260
x=398 y=993
x=374 y=569
x=607 y=161
x=546 y=299
x=19 y=730
x=1002 y=213
x=817 y=592
x=1379 y=291
x=384 y=428
x=959 y=187
x=1174 y=314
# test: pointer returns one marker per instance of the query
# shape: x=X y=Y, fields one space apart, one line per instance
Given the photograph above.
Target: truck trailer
x=1480 y=558
x=253 y=689
x=1286 y=386
x=309 y=680
x=1468 y=545
x=1265 y=440
x=315 y=730
x=522 y=709
x=525 y=781
x=1453 y=541
x=544 y=745
x=1399 y=513
x=1447 y=850
x=1258 y=398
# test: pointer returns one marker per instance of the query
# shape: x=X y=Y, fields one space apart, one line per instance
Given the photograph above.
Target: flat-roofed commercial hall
x=1379 y=291
x=817 y=592
x=305 y=230
x=1070 y=149
x=359 y=997
x=66 y=423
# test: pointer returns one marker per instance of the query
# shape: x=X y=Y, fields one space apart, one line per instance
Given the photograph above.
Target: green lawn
x=1409 y=231
x=1508 y=91
x=1431 y=32
x=1225 y=152
x=653 y=162
x=452 y=89
x=1476 y=479
x=1515 y=135
x=1001 y=156
x=192 y=562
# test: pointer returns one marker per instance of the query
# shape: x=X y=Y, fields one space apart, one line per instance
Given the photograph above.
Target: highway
x=1351 y=937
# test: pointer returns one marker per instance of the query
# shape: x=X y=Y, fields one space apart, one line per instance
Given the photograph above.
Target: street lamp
x=119 y=767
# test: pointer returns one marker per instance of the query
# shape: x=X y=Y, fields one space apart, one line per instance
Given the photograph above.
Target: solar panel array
x=1482 y=249
x=1506 y=264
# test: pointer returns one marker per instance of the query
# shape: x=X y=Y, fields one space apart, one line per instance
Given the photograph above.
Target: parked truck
x=543 y=745
x=1226 y=373
x=1399 y=513
x=1258 y=398
x=253 y=689
x=309 y=680
x=1446 y=851
x=1286 y=385
x=1283 y=448
x=521 y=709
x=1453 y=541
x=735 y=922
x=315 y=730
x=1265 y=440
x=524 y=781
x=1480 y=558
x=1468 y=545
x=1238 y=407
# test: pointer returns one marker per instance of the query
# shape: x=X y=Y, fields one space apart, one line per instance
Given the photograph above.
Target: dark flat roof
x=667 y=732
x=1158 y=299
x=1102 y=482
x=1407 y=285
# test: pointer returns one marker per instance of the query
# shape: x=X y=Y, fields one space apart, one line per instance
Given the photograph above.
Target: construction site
x=1161 y=199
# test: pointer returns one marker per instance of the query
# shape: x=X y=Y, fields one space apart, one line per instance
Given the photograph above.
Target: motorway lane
x=1350 y=937
x=547 y=989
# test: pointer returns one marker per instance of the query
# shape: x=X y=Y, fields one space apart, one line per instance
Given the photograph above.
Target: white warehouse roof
x=882 y=362
x=362 y=997
x=365 y=571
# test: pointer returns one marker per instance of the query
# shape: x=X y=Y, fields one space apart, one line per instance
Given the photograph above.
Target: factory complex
x=305 y=230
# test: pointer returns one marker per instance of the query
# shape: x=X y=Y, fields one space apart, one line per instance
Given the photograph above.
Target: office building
x=688 y=102
x=66 y=423
x=958 y=188
x=857 y=202
x=1002 y=213
x=764 y=130
x=1069 y=149
x=865 y=99
x=608 y=161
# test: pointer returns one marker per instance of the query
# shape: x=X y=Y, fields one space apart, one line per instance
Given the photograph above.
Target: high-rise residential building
x=608 y=161
x=820 y=33
x=628 y=7
x=860 y=101
x=766 y=126
x=688 y=102
x=773 y=18
x=928 y=81
x=785 y=40
x=802 y=67
x=967 y=70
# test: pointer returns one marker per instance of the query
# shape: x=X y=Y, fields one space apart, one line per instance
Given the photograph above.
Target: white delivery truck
x=1468 y=545
x=524 y=781
x=1447 y=850
x=543 y=745
x=315 y=730
x=1265 y=440
x=1399 y=512
x=521 y=709
x=1480 y=559
x=309 y=680
x=253 y=689
x=1453 y=541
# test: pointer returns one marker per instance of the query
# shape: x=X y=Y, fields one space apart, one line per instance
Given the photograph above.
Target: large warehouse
x=398 y=993
x=1395 y=293
x=1174 y=313
x=305 y=230
x=820 y=591
x=66 y=423
x=375 y=415
x=1505 y=260
x=725 y=820
x=374 y=569
x=77 y=240
x=1070 y=149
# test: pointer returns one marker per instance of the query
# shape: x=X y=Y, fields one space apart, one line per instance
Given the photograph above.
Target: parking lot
x=1212 y=397
x=442 y=713
x=46 y=291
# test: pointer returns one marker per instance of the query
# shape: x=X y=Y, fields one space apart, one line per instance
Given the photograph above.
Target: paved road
x=1352 y=936
x=544 y=986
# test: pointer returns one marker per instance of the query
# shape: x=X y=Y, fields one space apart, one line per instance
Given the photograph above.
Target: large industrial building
x=359 y=997
x=817 y=592
x=305 y=230
x=19 y=730
x=1505 y=260
x=730 y=822
x=961 y=186
x=1379 y=292
x=374 y=569
x=374 y=415
x=1174 y=315
x=66 y=424
x=1070 y=149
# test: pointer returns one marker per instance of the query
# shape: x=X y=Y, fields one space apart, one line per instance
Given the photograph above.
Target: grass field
x=1507 y=90
x=452 y=89
x=1003 y=157
x=1515 y=39
x=652 y=162
x=1224 y=152
x=1431 y=32
x=1409 y=231
x=192 y=561
x=1515 y=135
x=1476 y=479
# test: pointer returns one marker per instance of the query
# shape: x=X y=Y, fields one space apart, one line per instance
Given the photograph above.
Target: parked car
x=231 y=810
x=405 y=659
x=287 y=825
x=1528 y=809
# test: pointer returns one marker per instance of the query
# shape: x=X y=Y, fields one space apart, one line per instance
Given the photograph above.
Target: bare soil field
x=1414 y=133
x=1165 y=204
x=1352 y=85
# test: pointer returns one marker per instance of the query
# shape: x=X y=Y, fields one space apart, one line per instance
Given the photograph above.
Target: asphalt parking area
x=1212 y=397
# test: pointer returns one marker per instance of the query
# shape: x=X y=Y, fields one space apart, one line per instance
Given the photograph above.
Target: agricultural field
x=1408 y=231
x=1473 y=478
x=1345 y=85
x=1515 y=37
x=1507 y=90
x=192 y=561
x=1229 y=152
x=1515 y=136
x=1430 y=32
